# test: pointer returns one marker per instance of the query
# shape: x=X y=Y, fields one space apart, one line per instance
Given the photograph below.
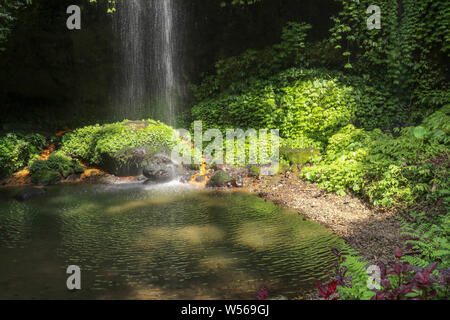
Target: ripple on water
x=163 y=242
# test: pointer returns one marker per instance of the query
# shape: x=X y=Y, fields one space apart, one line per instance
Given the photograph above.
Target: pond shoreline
x=374 y=233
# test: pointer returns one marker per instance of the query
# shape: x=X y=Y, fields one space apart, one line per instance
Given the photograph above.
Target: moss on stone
x=56 y=167
x=219 y=179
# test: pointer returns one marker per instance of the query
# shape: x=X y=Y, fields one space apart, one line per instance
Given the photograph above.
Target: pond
x=169 y=241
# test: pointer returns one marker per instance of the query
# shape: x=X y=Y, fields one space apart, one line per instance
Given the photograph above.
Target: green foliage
x=302 y=142
x=405 y=57
x=421 y=273
x=395 y=75
x=309 y=110
x=388 y=170
x=298 y=156
x=82 y=142
x=283 y=166
x=253 y=110
x=242 y=154
x=429 y=237
x=357 y=272
x=95 y=144
x=16 y=150
x=45 y=177
x=398 y=73
x=406 y=278
x=291 y=50
x=317 y=109
x=52 y=170
x=254 y=171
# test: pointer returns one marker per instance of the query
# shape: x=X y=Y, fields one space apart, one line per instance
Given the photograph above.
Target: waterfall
x=147 y=82
x=165 y=47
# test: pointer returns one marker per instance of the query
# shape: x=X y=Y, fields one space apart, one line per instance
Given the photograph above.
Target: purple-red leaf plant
x=327 y=291
x=399 y=281
x=263 y=293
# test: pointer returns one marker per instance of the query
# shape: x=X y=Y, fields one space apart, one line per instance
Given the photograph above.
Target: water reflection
x=157 y=242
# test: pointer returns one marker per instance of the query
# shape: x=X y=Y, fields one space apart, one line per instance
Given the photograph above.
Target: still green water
x=157 y=242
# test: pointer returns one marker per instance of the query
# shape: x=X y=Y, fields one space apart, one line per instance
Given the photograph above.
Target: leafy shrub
x=82 y=142
x=240 y=80
x=96 y=144
x=283 y=166
x=316 y=109
x=16 y=150
x=298 y=156
x=428 y=237
x=406 y=57
x=403 y=281
x=291 y=50
x=387 y=170
x=8 y=14
x=254 y=171
x=304 y=109
x=302 y=142
x=254 y=109
x=342 y=167
x=349 y=265
x=45 y=177
x=57 y=166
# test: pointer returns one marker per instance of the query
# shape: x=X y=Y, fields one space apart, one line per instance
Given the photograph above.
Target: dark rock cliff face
x=64 y=78
x=52 y=74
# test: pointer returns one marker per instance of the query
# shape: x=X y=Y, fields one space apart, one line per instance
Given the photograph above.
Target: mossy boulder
x=120 y=148
x=219 y=179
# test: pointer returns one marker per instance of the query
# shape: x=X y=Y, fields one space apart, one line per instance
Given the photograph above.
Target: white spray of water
x=147 y=84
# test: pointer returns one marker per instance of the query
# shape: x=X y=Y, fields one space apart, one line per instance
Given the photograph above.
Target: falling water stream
x=147 y=82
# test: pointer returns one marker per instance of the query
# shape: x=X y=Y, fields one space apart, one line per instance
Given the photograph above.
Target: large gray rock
x=131 y=163
x=160 y=168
